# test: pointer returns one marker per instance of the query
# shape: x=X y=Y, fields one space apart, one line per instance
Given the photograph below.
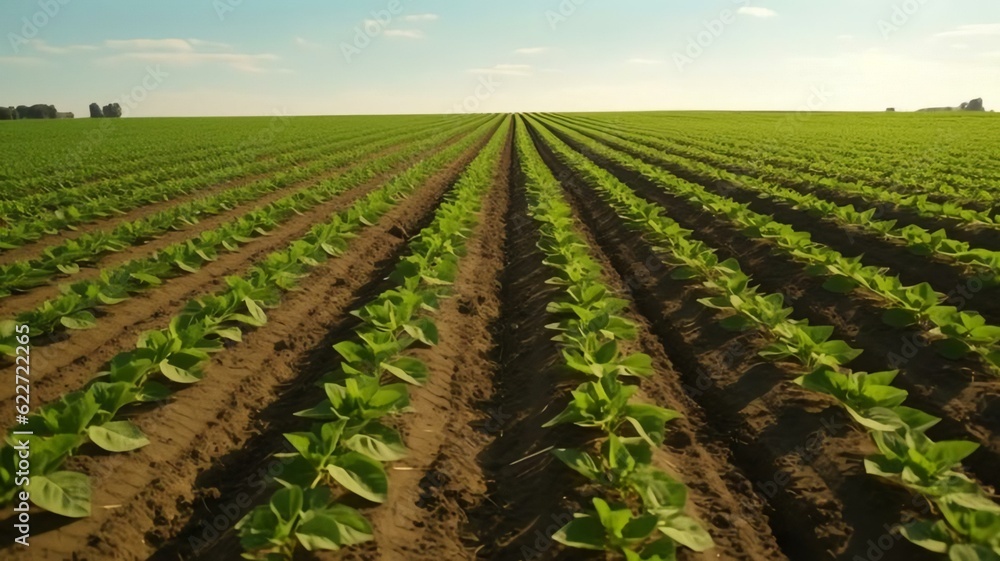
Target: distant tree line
x=110 y=111
x=39 y=111
x=42 y=111
x=974 y=105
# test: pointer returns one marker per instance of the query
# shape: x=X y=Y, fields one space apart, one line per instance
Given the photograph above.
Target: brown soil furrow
x=431 y=489
x=944 y=274
x=153 y=486
x=26 y=301
x=76 y=355
x=794 y=448
x=529 y=494
x=958 y=391
x=34 y=249
x=976 y=235
x=722 y=495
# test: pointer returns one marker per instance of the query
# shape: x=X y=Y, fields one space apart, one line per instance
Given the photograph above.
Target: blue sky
x=300 y=57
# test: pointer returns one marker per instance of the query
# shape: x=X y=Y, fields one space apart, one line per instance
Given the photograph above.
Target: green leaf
x=361 y=475
x=737 y=323
x=684 y=273
x=181 y=367
x=579 y=461
x=932 y=536
x=286 y=503
x=583 y=533
x=66 y=493
x=78 y=320
x=332 y=528
x=117 y=436
x=408 y=369
x=840 y=284
x=687 y=532
x=900 y=317
x=965 y=552
x=378 y=443
x=255 y=312
x=952 y=349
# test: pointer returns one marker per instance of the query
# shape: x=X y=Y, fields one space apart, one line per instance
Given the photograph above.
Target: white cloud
x=421 y=17
x=972 y=30
x=505 y=70
x=530 y=50
x=187 y=52
x=43 y=47
x=254 y=63
x=177 y=45
x=210 y=45
x=404 y=33
x=645 y=61
x=757 y=12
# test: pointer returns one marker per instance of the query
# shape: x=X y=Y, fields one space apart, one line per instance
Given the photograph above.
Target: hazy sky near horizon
x=300 y=57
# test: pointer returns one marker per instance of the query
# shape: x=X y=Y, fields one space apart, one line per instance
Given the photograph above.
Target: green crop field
x=638 y=336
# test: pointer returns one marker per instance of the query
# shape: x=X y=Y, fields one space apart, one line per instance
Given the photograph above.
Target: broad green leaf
x=117 y=436
x=66 y=493
x=583 y=533
x=361 y=475
x=932 y=536
x=78 y=320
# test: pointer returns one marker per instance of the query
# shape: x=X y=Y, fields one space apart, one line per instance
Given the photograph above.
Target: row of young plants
x=956 y=333
x=101 y=156
x=923 y=204
x=643 y=518
x=983 y=262
x=73 y=308
x=967 y=527
x=902 y=165
x=347 y=441
x=172 y=167
x=96 y=156
x=129 y=179
x=78 y=210
x=177 y=355
x=88 y=248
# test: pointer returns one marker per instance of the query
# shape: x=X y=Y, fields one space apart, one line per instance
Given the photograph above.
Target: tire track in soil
x=912 y=269
x=796 y=447
x=142 y=497
x=967 y=399
x=72 y=357
x=28 y=300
